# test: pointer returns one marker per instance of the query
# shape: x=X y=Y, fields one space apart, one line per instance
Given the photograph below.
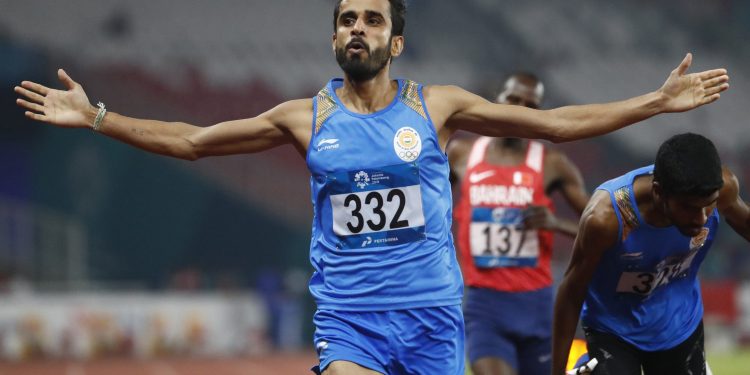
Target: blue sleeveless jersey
x=645 y=289
x=381 y=236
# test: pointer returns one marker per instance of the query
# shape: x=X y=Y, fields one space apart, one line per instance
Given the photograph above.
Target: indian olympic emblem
x=700 y=239
x=362 y=179
x=407 y=144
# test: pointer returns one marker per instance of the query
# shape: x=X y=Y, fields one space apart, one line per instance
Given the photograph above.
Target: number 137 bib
x=377 y=207
x=498 y=238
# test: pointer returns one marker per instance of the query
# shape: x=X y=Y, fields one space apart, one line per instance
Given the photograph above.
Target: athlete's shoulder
x=445 y=101
x=304 y=104
x=445 y=92
x=292 y=114
x=295 y=107
x=599 y=219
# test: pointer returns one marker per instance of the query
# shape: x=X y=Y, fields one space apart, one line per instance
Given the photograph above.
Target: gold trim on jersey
x=325 y=108
x=627 y=211
x=410 y=96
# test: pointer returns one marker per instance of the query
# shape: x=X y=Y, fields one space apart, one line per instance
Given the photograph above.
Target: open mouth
x=356 y=46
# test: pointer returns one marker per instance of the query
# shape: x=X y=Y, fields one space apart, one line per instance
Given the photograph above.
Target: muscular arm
x=286 y=123
x=453 y=108
x=598 y=231
x=732 y=207
x=178 y=139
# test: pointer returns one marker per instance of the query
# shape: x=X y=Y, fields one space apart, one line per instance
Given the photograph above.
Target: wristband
x=99 y=117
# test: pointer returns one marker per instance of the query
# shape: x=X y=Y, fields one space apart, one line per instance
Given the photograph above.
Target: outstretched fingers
x=710 y=98
x=717 y=81
x=33 y=86
x=708 y=91
x=34 y=97
x=30 y=106
x=713 y=73
x=36 y=116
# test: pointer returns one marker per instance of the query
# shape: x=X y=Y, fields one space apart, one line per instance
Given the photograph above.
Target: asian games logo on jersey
x=407 y=144
x=361 y=179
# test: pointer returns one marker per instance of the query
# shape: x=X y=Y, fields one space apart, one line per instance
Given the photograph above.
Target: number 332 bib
x=377 y=206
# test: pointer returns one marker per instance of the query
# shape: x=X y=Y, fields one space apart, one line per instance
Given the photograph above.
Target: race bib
x=499 y=240
x=668 y=270
x=377 y=207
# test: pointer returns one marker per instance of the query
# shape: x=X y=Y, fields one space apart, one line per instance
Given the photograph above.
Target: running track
x=276 y=364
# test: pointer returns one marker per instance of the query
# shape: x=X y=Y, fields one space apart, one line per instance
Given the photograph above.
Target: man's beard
x=360 y=69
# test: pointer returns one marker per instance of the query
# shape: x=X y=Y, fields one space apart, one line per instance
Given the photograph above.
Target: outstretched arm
x=71 y=108
x=459 y=109
x=732 y=207
x=598 y=231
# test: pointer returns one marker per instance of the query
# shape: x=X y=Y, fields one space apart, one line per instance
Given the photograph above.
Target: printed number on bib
x=377 y=207
x=668 y=270
x=499 y=240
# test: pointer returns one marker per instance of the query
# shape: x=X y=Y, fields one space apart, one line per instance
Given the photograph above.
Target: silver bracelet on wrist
x=99 y=117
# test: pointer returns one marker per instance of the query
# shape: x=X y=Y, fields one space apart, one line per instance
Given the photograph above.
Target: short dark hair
x=398 y=16
x=688 y=164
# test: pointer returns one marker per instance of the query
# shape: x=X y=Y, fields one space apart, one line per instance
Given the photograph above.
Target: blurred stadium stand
x=84 y=214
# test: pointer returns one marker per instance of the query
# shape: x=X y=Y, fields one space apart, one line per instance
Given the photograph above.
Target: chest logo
x=361 y=179
x=407 y=144
x=700 y=239
x=479 y=176
x=523 y=178
x=328 y=144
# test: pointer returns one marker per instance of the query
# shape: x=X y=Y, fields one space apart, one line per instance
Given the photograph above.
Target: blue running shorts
x=415 y=341
x=513 y=326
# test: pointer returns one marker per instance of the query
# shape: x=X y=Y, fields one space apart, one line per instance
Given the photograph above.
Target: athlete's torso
x=496 y=252
x=382 y=207
x=645 y=289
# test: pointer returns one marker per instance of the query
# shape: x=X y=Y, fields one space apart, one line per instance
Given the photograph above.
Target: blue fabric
x=416 y=341
x=661 y=305
x=388 y=259
x=513 y=326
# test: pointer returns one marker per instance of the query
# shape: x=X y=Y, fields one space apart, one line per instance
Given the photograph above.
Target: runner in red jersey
x=505 y=220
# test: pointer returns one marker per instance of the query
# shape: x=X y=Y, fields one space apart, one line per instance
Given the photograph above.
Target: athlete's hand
x=65 y=108
x=539 y=217
x=684 y=92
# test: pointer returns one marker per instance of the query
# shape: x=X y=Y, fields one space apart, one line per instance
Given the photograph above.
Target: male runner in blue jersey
x=386 y=282
x=635 y=262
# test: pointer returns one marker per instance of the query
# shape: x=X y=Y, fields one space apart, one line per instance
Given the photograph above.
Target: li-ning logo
x=321 y=346
x=362 y=179
x=328 y=144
